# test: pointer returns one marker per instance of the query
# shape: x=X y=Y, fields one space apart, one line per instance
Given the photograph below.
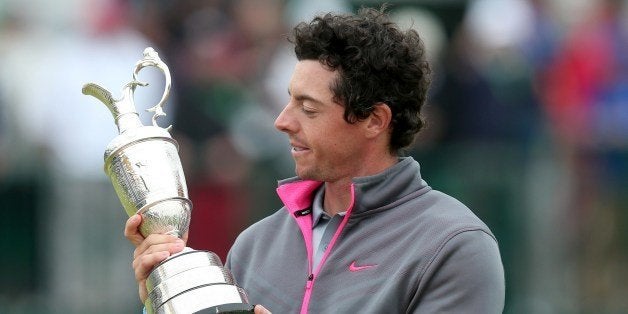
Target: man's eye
x=308 y=111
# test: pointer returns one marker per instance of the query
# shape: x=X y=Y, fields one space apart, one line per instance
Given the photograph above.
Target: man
x=361 y=231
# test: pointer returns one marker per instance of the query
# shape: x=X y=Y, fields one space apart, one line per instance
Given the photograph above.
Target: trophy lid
x=123 y=109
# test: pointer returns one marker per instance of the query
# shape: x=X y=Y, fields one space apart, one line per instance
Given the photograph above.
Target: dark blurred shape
x=20 y=265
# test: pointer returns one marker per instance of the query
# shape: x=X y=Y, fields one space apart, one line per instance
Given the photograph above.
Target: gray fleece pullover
x=402 y=247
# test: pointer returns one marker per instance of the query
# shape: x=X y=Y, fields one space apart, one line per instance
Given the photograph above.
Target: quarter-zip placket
x=311 y=278
x=297 y=196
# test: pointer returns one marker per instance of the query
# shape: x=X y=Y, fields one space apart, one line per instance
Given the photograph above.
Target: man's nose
x=282 y=123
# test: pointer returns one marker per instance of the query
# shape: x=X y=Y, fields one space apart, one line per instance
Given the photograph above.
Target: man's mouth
x=298 y=147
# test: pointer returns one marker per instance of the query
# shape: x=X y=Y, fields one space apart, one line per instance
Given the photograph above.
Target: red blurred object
x=218 y=216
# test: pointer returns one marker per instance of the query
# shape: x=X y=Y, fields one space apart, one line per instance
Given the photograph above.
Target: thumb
x=131 y=231
x=259 y=309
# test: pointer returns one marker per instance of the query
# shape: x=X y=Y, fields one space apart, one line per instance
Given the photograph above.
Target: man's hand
x=132 y=231
x=149 y=251
x=261 y=310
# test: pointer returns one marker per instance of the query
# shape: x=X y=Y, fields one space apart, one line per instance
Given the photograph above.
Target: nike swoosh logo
x=355 y=268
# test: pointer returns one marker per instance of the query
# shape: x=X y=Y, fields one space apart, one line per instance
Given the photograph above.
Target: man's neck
x=337 y=197
x=338 y=193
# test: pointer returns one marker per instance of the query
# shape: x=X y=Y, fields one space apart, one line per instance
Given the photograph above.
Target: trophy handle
x=151 y=58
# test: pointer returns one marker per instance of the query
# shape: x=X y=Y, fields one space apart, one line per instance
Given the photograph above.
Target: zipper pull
x=310 y=281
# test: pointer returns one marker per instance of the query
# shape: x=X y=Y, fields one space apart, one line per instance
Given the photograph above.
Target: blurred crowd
x=527 y=124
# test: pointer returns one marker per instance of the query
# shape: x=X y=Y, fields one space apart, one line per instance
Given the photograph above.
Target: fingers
x=131 y=231
x=144 y=264
x=150 y=252
x=159 y=243
x=261 y=310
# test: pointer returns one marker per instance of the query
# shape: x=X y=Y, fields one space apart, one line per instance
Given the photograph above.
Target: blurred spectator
x=487 y=68
x=585 y=93
x=486 y=119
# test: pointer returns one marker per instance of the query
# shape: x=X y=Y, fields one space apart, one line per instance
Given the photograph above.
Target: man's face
x=325 y=147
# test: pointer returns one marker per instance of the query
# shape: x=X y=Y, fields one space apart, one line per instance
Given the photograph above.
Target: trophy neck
x=123 y=110
x=128 y=121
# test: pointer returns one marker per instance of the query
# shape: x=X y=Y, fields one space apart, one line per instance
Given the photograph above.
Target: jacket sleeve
x=465 y=276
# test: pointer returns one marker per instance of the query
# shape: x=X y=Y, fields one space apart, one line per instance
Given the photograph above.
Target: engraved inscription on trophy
x=145 y=170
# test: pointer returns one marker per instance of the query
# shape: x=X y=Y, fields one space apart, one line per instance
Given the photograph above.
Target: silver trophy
x=144 y=167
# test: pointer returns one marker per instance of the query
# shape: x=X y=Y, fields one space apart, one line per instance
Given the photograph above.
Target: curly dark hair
x=376 y=62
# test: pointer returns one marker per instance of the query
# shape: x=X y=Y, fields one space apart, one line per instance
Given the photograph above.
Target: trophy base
x=233 y=308
x=194 y=282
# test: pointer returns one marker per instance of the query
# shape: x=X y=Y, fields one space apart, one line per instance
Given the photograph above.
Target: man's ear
x=379 y=120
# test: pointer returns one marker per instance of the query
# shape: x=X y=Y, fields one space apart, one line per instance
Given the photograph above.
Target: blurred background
x=527 y=125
